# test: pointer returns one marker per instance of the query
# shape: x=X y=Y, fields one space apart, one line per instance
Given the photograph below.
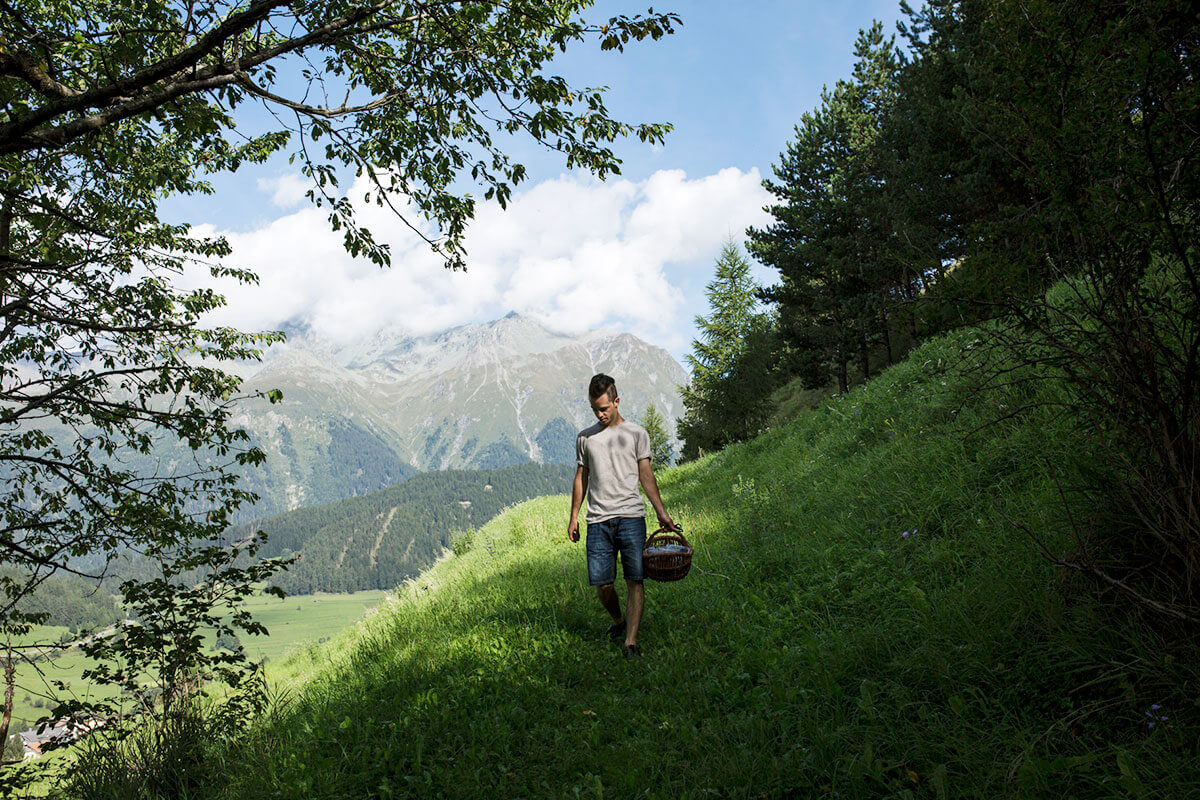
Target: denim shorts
x=605 y=539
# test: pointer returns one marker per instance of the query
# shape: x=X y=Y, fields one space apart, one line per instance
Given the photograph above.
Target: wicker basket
x=666 y=566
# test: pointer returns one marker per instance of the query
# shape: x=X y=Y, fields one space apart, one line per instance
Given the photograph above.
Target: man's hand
x=573 y=530
x=668 y=524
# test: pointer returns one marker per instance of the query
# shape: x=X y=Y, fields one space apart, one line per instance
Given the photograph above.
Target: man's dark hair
x=602 y=384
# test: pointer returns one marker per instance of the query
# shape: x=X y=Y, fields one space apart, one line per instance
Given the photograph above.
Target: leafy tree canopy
x=411 y=94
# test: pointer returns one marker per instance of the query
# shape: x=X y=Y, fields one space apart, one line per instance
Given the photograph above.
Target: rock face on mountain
x=479 y=396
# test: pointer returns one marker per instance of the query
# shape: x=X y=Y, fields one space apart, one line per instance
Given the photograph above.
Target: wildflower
x=1153 y=717
x=906 y=534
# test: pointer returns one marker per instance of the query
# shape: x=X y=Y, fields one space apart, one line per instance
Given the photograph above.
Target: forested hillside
x=378 y=540
x=70 y=602
x=319 y=462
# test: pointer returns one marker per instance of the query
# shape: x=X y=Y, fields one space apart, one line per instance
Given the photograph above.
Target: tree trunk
x=10 y=680
x=887 y=336
x=864 y=353
x=6 y=215
x=910 y=295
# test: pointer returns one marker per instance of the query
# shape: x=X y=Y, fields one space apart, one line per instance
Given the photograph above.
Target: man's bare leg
x=608 y=599
x=635 y=599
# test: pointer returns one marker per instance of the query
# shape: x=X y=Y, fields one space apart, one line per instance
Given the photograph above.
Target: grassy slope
x=814 y=652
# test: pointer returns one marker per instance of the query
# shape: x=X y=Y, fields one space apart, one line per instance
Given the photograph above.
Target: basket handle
x=678 y=529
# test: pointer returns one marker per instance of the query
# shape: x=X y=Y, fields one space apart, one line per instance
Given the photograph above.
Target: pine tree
x=726 y=396
x=828 y=242
x=731 y=295
x=662 y=453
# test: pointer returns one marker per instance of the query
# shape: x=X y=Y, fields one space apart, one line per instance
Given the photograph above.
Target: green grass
x=813 y=651
x=302 y=619
x=292 y=622
x=34 y=685
x=791 y=399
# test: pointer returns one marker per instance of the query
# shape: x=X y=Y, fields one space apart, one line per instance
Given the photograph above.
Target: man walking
x=613 y=457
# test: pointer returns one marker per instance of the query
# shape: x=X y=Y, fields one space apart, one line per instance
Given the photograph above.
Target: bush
x=14 y=748
x=170 y=754
x=161 y=759
x=460 y=541
x=228 y=641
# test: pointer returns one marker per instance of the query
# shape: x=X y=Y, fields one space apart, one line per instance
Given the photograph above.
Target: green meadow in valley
x=292 y=622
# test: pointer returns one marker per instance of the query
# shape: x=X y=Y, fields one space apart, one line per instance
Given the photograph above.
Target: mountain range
x=357 y=418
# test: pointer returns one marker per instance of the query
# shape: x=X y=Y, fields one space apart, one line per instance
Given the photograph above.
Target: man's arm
x=578 y=490
x=650 y=487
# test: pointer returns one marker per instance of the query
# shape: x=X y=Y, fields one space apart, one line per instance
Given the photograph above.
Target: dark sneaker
x=632 y=651
x=616 y=630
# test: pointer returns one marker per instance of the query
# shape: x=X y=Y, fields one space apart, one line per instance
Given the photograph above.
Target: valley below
x=292 y=623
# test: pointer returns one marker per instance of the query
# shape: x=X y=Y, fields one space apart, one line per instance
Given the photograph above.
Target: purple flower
x=906 y=534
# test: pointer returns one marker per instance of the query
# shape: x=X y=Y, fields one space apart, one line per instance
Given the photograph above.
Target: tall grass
x=863 y=621
x=163 y=758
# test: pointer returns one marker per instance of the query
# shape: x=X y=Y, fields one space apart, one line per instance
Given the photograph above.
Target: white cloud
x=573 y=252
x=287 y=191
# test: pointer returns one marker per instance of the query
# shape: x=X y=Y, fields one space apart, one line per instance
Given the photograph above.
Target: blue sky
x=633 y=253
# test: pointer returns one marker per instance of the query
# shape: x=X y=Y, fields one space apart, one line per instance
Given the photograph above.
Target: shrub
x=169 y=754
x=460 y=541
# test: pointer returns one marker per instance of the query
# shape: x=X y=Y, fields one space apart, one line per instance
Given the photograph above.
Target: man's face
x=605 y=408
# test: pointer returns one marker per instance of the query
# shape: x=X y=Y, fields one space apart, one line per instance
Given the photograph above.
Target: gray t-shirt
x=611 y=456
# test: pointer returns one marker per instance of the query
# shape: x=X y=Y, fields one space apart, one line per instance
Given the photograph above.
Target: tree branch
x=132 y=84
x=314 y=111
x=29 y=70
x=24 y=134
